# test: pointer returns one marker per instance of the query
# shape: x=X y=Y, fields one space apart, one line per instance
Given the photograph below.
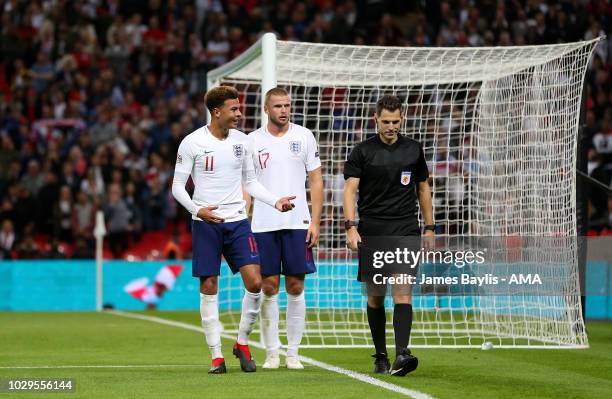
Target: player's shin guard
x=269 y=323
x=250 y=312
x=209 y=311
x=296 y=319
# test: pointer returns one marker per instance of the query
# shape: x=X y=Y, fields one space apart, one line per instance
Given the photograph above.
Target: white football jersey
x=216 y=167
x=281 y=164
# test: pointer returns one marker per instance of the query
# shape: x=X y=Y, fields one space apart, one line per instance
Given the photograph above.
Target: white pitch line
x=104 y=366
x=349 y=373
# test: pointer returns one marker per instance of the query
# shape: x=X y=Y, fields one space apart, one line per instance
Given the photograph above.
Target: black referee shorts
x=378 y=227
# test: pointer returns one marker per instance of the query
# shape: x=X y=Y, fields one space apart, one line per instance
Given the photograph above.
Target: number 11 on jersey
x=209 y=163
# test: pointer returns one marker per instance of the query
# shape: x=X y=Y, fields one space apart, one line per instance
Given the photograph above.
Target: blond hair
x=276 y=91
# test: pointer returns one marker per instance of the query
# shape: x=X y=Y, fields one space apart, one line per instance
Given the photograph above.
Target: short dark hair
x=388 y=102
x=215 y=97
x=276 y=91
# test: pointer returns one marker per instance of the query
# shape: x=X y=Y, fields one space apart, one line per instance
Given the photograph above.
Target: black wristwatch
x=349 y=223
x=431 y=227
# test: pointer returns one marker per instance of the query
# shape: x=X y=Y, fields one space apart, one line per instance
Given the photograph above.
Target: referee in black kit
x=390 y=173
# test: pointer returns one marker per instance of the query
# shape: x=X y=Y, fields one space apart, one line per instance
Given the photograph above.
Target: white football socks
x=269 y=324
x=296 y=320
x=249 y=315
x=209 y=311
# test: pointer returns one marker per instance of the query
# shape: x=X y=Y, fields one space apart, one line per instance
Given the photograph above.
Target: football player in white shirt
x=285 y=154
x=218 y=159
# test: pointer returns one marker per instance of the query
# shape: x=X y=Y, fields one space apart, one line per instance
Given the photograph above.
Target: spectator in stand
x=33 y=180
x=117 y=216
x=41 y=72
x=46 y=200
x=155 y=205
x=105 y=129
x=27 y=248
x=62 y=215
x=7 y=239
x=217 y=49
x=132 y=202
x=83 y=217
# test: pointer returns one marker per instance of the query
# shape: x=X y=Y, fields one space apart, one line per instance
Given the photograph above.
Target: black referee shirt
x=388 y=178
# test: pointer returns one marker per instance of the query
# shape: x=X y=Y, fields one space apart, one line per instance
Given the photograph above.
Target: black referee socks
x=402 y=324
x=377 y=320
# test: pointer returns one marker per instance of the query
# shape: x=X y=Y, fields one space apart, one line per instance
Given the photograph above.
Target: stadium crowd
x=96 y=95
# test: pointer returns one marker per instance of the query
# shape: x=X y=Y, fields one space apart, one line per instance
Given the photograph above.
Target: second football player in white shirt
x=285 y=155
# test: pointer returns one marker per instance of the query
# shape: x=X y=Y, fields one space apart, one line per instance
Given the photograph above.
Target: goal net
x=498 y=127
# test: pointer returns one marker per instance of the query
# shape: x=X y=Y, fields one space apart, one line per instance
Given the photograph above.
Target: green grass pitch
x=173 y=363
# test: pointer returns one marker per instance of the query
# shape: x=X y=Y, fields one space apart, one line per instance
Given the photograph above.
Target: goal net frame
x=451 y=84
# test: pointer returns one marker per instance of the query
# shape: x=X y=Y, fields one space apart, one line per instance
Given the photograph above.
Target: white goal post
x=498 y=126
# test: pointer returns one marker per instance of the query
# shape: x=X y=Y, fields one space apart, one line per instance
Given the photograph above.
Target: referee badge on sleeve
x=405 y=178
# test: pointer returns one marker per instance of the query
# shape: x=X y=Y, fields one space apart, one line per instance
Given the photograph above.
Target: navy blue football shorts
x=285 y=252
x=233 y=240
